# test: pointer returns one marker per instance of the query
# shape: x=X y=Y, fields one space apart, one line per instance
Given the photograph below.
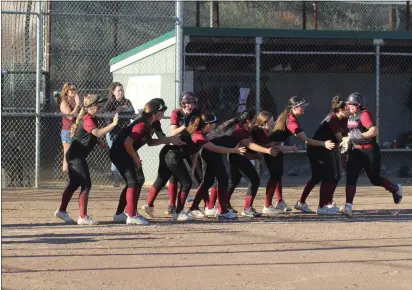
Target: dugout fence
x=228 y=69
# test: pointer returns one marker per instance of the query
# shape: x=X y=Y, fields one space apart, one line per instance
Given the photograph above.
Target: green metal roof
x=142 y=47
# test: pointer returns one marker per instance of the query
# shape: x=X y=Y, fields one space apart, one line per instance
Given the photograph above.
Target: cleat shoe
x=250 y=212
x=120 y=218
x=325 y=210
x=63 y=215
x=87 y=221
x=303 y=207
x=210 y=212
x=397 y=196
x=271 y=210
x=171 y=210
x=136 y=220
x=281 y=205
x=196 y=214
x=149 y=210
x=346 y=210
x=333 y=208
x=182 y=216
x=226 y=217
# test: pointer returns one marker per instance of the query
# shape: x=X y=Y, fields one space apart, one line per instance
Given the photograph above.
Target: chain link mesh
x=81 y=37
x=18 y=57
x=322 y=15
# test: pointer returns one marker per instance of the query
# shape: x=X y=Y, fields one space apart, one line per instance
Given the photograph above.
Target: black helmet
x=157 y=106
x=187 y=98
x=356 y=99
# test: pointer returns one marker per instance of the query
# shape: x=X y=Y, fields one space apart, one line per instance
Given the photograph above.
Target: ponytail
x=281 y=121
x=88 y=100
x=337 y=104
x=79 y=117
x=194 y=125
x=246 y=115
x=224 y=127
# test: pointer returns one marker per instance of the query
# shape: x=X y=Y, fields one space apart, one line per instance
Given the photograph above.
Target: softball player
x=364 y=153
x=287 y=124
x=125 y=157
x=85 y=134
x=171 y=162
x=240 y=165
x=180 y=121
x=326 y=164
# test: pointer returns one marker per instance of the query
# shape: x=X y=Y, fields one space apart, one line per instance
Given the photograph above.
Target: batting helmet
x=356 y=99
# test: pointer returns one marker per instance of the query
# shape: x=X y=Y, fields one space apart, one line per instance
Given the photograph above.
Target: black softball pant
x=325 y=165
x=213 y=168
x=198 y=170
x=241 y=166
x=326 y=168
x=274 y=165
x=171 y=164
x=370 y=160
x=79 y=176
x=134 y=179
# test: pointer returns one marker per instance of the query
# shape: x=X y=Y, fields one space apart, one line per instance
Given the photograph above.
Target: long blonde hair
x=200 y=122
x=281 y=121
x=89 y=99
x=65 y=91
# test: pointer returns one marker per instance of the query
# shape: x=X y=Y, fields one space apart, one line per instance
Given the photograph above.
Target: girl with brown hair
x=326 y=164
x=286 y=125
x=125 y=157
x=172 y=163
x=85 y=134
x=69 y=104
x=117 y=103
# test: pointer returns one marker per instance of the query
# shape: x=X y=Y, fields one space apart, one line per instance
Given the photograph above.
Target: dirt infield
x=297 y=251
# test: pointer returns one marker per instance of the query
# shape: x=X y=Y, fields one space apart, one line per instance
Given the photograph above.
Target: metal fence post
x=258 y=42
x=38 y=89
x=378 y=43
x=179 y=51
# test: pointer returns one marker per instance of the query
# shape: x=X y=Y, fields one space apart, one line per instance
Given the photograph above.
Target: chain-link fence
x=318 y=15
x=226 y=78
x=227 y=72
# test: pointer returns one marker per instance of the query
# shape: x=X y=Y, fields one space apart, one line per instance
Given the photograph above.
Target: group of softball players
x=219 y=156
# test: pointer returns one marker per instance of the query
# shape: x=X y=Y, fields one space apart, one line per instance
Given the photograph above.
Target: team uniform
x=178 y=118
x=140 y=131
x=79 y=176
x=274 y=164
x=213 y=167
x=240 y=166
x=171 y=163
x=365 y=153
x=325 y=165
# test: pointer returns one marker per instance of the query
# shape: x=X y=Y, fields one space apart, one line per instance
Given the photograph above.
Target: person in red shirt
x=240 y=165
x=124 y=155
x=286 y=125
x=180 y=121
x=364 y=153
x=172 y=163
x=326 y=164
x=85 y=133
x=69 y=105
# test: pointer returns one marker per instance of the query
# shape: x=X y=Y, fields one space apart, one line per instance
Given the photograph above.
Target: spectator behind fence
x=117 y=103
x=69 y=103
